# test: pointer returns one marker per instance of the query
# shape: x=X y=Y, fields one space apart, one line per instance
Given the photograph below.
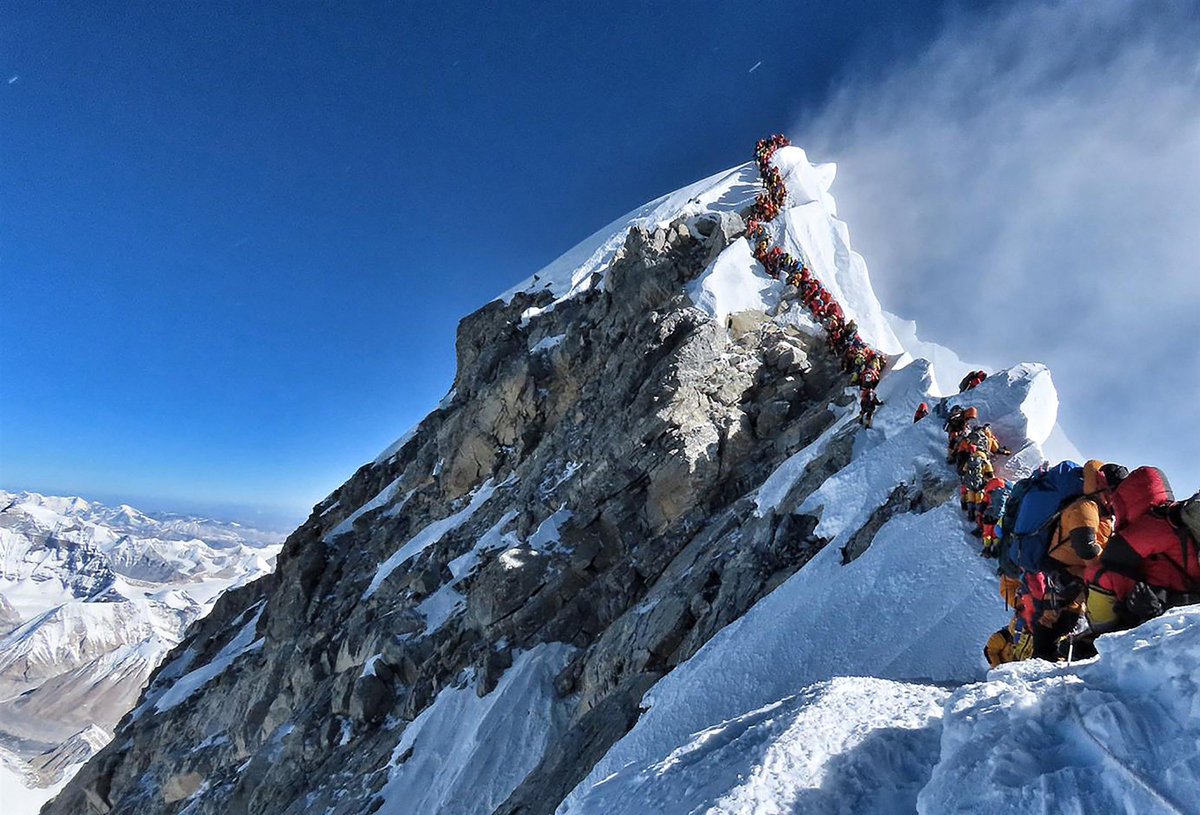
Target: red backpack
x=1144 y=489
x=1157 y=552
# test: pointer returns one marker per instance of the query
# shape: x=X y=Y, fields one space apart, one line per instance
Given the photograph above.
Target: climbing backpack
x=1189 y=515
x=1005 y=564
x=1142 y=490
x=974 y=474
x=996 y=503
x=1155 y=550
x=981 y=439
x=1034 y=518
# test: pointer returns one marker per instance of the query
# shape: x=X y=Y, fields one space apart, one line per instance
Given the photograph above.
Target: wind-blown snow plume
x=1028 y=187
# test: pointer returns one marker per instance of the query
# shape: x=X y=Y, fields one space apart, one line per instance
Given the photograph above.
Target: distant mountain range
x=92 y=597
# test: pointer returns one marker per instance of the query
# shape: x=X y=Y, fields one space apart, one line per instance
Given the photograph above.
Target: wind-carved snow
x=464 y=755
x=849 y=745
x=734 y=282
x=242 y=643
x=431 y=534
x=1118 y=733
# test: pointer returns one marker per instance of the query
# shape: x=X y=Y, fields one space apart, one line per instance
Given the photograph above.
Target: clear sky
x=236 y=238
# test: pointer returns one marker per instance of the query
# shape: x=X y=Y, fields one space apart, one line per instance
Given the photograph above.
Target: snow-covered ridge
x=571 y=273
x=749 y=751
x=735 y=281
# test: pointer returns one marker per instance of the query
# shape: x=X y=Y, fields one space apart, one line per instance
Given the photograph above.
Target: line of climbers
x=860 y=360
x=1082 y=550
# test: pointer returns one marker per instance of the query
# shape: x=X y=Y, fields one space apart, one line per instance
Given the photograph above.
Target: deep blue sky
x=236 y=239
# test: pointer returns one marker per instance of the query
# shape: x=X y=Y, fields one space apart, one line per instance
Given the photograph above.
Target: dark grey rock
x=649 y=423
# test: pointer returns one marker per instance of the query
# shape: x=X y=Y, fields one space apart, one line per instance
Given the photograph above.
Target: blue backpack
x=997 y=502
x=1031 y=514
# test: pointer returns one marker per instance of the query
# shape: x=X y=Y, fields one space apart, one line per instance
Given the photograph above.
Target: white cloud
x=1028 y=188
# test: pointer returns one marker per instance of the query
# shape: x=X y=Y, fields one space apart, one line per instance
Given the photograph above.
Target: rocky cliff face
x=473 y=620
x=583 y=484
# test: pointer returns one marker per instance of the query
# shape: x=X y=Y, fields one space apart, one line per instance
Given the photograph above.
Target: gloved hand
x=1142 y=603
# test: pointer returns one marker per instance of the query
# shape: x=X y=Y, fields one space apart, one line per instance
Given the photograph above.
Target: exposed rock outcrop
x=584 y=483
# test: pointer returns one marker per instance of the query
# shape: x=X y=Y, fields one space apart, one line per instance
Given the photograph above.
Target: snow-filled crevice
x=464 y=754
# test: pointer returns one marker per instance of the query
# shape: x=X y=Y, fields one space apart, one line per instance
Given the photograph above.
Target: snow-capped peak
x=91 y=598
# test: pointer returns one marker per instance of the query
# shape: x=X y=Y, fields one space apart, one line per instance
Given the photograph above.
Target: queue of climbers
x=863 y=363
x=1082 y=549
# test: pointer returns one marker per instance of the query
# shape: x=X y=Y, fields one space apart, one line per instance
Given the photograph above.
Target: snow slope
x=572 y=272
x=808 y=228
x=916 y=604
x=1119 y=733
x=1115 y=734
x=847 y=745
x=465 y=754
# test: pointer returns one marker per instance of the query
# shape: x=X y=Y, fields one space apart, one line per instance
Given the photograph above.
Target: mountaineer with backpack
x=995 y=495
x=1084 y=525
x=1152 y=561
x=1050 y=598
x=955 y=426
x=868 y=402
x=982 y=439
x=972 y=380
x=977 y=470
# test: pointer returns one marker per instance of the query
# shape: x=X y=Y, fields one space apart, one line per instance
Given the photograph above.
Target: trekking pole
x=1070 y=647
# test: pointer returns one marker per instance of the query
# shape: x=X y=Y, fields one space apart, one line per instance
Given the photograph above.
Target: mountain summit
x=641 y=558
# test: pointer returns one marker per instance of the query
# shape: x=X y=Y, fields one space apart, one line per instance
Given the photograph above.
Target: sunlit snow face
x=1028 y=188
